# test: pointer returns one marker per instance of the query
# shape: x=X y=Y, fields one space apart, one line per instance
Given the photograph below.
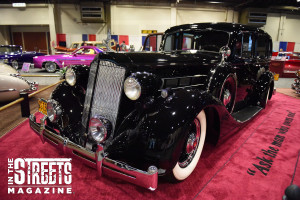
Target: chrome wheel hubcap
x=50 y=67
x=15 y=64
x=227 y=97
x=191 y=145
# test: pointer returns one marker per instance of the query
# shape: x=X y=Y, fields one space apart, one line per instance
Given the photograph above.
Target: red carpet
x=236 y=168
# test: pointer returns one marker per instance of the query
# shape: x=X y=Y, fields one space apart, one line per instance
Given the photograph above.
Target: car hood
x=169 y=64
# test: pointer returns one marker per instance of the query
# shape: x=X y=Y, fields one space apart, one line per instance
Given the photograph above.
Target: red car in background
x=286 y=64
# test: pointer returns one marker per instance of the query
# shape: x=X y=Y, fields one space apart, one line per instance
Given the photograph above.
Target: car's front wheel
x=15 y=64
x=192 y=149
x=50 y=67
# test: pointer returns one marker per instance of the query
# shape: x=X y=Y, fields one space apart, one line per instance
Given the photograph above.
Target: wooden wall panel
x=35 y=41
x=17 y=38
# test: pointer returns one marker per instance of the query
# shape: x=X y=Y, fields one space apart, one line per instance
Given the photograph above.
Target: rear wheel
x=50 y=67
x=192 y=149
x=228 y=93
x=15 y=64
x=265 y=98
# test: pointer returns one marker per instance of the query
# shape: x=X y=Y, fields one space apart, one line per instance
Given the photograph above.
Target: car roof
x=230 y=27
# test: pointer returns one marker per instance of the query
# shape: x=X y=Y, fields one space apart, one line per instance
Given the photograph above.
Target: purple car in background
x=15 y=57
x=81 y=56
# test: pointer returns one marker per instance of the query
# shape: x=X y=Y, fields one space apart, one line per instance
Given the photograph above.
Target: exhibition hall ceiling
x=275 y=5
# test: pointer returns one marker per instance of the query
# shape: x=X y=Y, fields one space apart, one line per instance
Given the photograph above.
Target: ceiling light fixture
x=18 y=5
x=218 y=2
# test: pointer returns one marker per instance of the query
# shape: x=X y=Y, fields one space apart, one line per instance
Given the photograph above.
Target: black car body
x=14 y=56
x=140 y=115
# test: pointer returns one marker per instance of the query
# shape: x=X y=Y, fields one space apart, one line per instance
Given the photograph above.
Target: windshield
x=206 y=40
x=152 y=42
x=84 y=51
x=9 y=50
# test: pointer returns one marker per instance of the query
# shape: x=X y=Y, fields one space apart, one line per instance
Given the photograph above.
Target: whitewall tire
x=185 y=167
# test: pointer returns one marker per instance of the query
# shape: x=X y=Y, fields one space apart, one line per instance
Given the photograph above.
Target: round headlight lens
x=132 y=88
x=97 y=129
x=70 y=77
x=53 y=110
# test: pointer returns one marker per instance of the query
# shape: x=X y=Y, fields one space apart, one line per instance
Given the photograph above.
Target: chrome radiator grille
x=107 y=91
x=89 y=93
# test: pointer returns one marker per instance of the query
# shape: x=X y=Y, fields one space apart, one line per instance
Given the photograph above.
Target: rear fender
x=265 y=81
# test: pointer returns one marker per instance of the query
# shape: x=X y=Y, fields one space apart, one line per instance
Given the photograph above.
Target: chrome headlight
x=99 y=128
x=53 y=110
x=132 y=88
x=70 y=77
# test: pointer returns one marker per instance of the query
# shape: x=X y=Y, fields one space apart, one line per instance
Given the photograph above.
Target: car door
x=243 y=63
x=83 y=56
x=262 y=53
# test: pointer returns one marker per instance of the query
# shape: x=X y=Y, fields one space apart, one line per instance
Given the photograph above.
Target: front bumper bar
x=104 y=165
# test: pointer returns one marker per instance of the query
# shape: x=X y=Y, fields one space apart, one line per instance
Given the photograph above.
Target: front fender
x=71 y=99
x=160 y=133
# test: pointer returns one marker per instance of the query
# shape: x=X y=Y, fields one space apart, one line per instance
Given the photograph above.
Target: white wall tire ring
x=50 y=67
x=182 y=170
x=266 y=98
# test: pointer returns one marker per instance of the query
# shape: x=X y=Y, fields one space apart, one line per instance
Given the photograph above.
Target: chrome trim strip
x=8 y=90
x=104 y=165
x=198 y=75
x=188 y=86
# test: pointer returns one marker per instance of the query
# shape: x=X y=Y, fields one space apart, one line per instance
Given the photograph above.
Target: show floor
x=256 y=161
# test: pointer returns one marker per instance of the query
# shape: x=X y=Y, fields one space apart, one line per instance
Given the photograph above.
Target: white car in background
x=11 y=84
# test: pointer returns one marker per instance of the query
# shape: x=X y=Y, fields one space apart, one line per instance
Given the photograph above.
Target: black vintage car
x=140 y=115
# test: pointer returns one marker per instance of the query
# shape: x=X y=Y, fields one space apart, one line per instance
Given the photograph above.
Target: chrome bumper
x=104 y=165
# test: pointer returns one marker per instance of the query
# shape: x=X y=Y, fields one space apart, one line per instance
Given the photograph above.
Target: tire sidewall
x=182 y=173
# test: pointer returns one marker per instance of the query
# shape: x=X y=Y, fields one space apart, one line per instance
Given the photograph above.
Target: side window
x=187 y=41
x=238 y=46
x=261 y=45
x=169 y=43
x=247 y=45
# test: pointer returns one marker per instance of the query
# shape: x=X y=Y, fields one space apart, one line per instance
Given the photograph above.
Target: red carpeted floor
x=236 y=168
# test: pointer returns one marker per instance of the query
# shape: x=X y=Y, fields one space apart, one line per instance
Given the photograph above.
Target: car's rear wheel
x=265 y=98
x=228 y=93
x=50 y=67
x=192 y=149
x=15 y=64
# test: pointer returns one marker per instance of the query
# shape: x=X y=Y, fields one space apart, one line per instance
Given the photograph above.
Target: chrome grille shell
x=104 y=92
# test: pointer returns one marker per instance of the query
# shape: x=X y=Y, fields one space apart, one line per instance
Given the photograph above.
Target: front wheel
x=15 y=64
x=192 y=149
x=50 y=67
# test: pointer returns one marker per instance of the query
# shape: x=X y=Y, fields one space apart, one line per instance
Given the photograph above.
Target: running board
x=246 y=113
